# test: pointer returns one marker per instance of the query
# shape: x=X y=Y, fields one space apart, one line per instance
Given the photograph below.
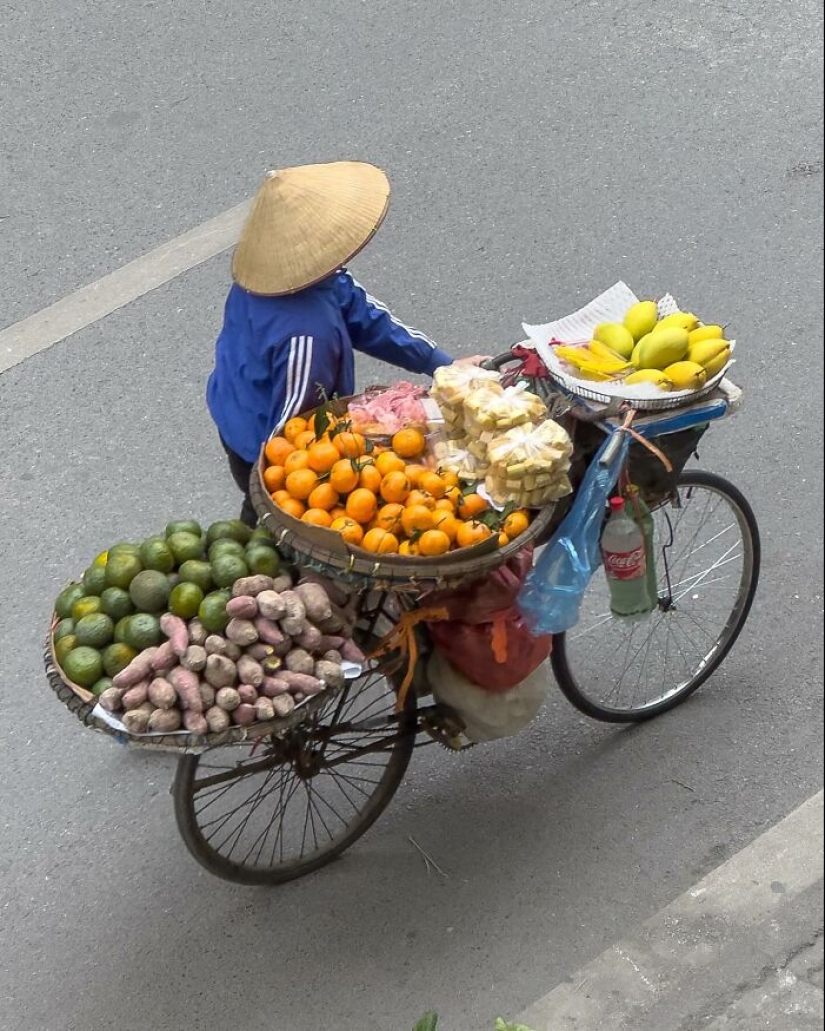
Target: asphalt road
x=537 y=156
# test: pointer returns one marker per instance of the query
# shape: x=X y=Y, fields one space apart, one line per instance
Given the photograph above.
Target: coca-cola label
x=625 y=565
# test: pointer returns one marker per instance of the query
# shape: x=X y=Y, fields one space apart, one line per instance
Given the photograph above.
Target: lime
x=156 y=554
x=83 y=666
x=94 y=580
x=117 y=657
x=142 y=631
x=94 y=630
x=149 y=591
x=262 y=540
x=185 y=546
x=197 y=572
x=66 y=599
x=64 y=646
x=99 y=686
x=212 y=612
x=184 y=526
x=85 y=607
x=121 y=628
x=122 y=568
x=124 y=548
x=101 y=559
x=226 y=547
x=116 y=603
x=228 y=529
x=185 y=600
x=63 y=629
x=261 y=559
x=226 y=569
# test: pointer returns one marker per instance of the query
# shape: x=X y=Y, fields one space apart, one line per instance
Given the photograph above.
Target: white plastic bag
x=487 y=715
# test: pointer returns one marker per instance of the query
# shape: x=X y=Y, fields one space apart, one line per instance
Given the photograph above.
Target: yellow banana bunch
x=595 y=361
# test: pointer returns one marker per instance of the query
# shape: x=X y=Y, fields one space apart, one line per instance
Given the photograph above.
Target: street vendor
x=294 y=315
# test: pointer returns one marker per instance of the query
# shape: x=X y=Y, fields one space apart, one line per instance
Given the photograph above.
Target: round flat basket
x=82 y=704
x=315 y=547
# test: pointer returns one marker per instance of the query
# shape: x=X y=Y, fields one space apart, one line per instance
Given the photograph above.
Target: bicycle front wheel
x=708 y=555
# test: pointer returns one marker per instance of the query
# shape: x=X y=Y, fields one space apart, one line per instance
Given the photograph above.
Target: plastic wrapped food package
x=489 y=413
x=454 y=456
x=452 y=384
x=529 y=465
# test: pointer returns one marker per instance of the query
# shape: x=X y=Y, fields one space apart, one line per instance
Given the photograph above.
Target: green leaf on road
x=502 y=1025
x=427 y=1023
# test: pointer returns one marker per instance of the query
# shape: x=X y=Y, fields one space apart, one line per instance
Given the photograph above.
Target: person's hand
x=476 y=359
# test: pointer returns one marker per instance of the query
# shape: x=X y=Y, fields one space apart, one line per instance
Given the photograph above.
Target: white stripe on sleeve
x=300 y=369
x=382 y=307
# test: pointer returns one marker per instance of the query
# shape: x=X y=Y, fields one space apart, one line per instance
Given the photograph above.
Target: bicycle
x=295 y=801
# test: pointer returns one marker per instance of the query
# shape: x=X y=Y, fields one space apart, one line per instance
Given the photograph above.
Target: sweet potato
x=283 y=705
x=250 y=671
x=162 y=694
x=164 y=658
x=165 y=721
x=241 y=632
x=329 y=672
x=333 y=656
x=264 y=709
x=177 y=631
x=272 y=664
x=140 y=668
x=274 y=686
x=197 y=632
x=220 y=671
x=351 y=652
x=194 y=658
x=247 y=694
x=207 y=693
x=251 y=586
x=195 y=723
x=112 y=699
x=259 y=650
x=188 y=687
x=271 y=605
x=302 y=682
x=282 y=583
x=215 y=644
x=299 y=661
x=294 y=620
x=282 y=649
x=310 y=639
x=227 y=699
x=216 y=719
x=243 y=607
x=136 y=696
x=268 y=631
x=244 y=715
x=316 y=602
x=330 y=642
x=233 y=651
x=336 y=594
x=136 y=721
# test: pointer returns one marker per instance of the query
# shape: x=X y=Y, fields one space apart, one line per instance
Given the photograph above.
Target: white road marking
x=91 y=303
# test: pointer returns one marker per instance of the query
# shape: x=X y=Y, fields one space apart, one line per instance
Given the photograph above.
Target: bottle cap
x=617 y=504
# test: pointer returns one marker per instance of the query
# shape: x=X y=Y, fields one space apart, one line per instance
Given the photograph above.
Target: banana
x=603 y=351
x=654 y=376
x=583 y=358
x=695 y=336
x=686 y=375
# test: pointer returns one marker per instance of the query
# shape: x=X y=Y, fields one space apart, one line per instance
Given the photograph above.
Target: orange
x=301 y=483
x=472 y=533
x=446 y=522
x=332 y=421
x=322 y=456
x=503 y=540
x=305 y=440
x=350 y=445
x=296 y=460
x=293 y=427
x=414 y=473
x=276 y=450
x=339 y=512
x=450 y=478
x=434 y=542
x=407 y=548
x=445 y=505
x=317 y=517
x=453 y=494
x=516 y=523
x=471 y=506
x=280 y=496
x=389 y=462
x=324 y=496
x=409 y=443
x=389 y=518
x=343 y=477
x=395 y=487
x=362 y=505
x=382 y=542
x=348 y=529
x=274 y=477
x=420 y=497
x=415 y=519
x=432 y=483
x=370 y=478
x=293 y=507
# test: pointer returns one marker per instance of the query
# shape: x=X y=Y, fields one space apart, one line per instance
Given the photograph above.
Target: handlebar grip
x=494 y=364
x=609 y=452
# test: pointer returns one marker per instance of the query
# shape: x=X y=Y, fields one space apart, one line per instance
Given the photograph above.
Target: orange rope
x=499 y=639
x=402 y=638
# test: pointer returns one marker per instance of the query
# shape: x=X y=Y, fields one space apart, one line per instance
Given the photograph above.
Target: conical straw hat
x=306 y=222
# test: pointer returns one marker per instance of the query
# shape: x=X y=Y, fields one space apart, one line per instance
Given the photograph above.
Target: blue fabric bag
x=553 y=592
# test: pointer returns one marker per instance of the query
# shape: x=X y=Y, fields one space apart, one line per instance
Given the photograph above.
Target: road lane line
x=91 y=303
x=627 y=981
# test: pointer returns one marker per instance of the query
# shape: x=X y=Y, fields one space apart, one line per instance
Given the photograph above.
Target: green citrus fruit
x=63 y=629
x=101 y=559
x=66 y=599
x=94 y=630
x=83 y=666
x=124 y=548
x=184 y=526
x=122 y=568
x=197 y=572
x=116 y=603
x=226 y=569
x=185 y=546
x=116 y=658
x=185 y=600
x=226 y=547
x=121 y=628
x=99 y=686
x=94 y=580
x=261 y=559
x=142 y=631
x=212 y=612
x=149 y=591
x=156 y=554
x=85 y=607
x=64 y=646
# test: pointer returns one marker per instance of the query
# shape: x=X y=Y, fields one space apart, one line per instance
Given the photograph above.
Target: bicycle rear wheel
x=708 y=556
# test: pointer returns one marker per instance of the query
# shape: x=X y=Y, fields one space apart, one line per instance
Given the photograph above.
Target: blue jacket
x=279 y=356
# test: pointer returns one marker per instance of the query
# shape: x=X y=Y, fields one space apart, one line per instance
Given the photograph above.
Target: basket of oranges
x=379 y=510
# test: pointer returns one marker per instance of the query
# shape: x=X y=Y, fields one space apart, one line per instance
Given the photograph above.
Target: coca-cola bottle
x=623 y=554
x=643 y=518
